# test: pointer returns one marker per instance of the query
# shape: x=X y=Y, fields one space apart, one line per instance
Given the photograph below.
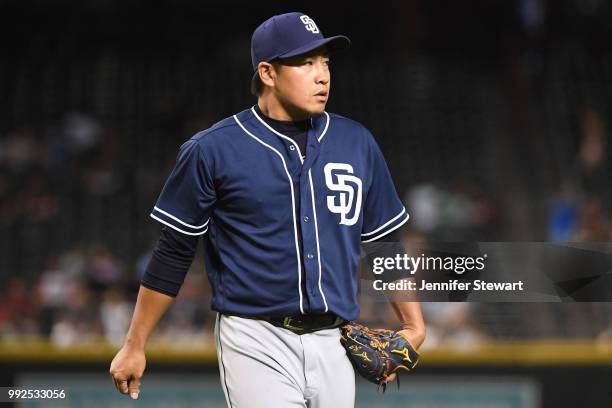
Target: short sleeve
x=383 y=211
x=186 y=201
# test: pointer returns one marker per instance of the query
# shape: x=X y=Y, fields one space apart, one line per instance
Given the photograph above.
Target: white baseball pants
x=264 y=366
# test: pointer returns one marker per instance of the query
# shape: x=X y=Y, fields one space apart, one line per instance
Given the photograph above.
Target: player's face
x=302 y=83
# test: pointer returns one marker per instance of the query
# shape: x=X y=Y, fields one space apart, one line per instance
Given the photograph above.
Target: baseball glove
x=376 y=354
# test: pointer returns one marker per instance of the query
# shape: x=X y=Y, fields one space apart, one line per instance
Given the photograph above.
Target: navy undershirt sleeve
x=393 y=236
x=171 y=259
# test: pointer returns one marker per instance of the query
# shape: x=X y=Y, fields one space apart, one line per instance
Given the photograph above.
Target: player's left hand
x=377 y=354
x=412 y=336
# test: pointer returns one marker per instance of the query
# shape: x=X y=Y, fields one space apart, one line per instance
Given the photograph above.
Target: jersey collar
x=319 y=123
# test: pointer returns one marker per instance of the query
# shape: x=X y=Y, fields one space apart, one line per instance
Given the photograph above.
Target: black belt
x=302 y=324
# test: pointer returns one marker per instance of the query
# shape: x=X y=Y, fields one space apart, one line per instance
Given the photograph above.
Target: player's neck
x=273 y=109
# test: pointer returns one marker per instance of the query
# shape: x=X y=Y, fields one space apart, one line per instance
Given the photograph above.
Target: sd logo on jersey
x=338 y=177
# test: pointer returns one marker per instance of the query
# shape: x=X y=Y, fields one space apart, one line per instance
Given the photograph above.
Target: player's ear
x=267 y=73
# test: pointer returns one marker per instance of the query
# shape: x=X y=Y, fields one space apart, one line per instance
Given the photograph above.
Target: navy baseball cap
x=288 y=35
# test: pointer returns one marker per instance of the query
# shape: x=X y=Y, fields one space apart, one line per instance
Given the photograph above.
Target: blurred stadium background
x=493 y=116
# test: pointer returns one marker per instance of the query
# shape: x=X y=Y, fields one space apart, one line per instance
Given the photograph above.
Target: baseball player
x=283 y=193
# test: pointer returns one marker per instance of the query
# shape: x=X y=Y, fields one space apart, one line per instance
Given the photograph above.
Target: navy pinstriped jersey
x=239 y=183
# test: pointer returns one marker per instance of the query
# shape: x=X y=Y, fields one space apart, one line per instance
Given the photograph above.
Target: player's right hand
x=126 y=369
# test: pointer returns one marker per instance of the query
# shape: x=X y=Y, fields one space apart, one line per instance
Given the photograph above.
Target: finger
x=121 y=383
x=123 y=386
x=134 y=387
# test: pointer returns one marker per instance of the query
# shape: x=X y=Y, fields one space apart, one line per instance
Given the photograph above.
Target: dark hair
x=256 y=85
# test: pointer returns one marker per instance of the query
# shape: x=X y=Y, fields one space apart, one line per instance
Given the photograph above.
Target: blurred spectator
x=18 y=149
x=594 y=223
x=18 y=311
x=564 y=214
x=69 y=330
x=100 y=177
x=78 y=321
x=452 y=324
x=53 y=285
x=115 y=314
x=82 y=132
x=104 y=269
x=593 y=166
x=582 y=212
x=73 y=263
x=52 y=290
x=38 y=203
x=461 y=213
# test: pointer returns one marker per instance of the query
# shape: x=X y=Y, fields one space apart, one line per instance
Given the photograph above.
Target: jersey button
x=310 y=256
x=292 y=147
x=306 y=219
